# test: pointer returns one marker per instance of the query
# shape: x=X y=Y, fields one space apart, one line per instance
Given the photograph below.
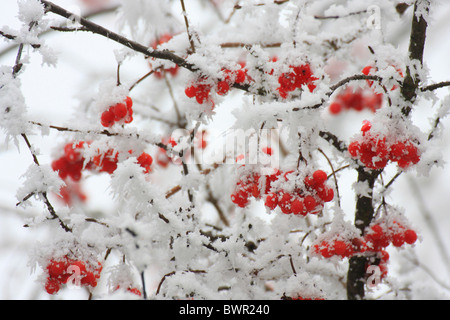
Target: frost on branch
x=13 y=110
x=38 y=180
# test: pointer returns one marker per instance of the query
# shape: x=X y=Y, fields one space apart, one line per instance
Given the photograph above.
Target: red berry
x=297 y=207
x=340 y=247
x=398 y=239
x=271 y=201
x=240 y=76
x=335 y=108
x=326 y=194
x=366 y=126
x=107 y=118
x=52 y=286
x=145 y=160
x=120 y=111
x=376 y=232
x=285 y=203
x=240 y=198
x=55 y=268
x=319 y=177
x=410 y=236
x=325 y=250
x=222 y=88
x=310 y=203
x=354 y=148
x=190 y=91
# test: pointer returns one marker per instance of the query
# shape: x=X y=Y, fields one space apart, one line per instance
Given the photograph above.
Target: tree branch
x=416 y=49
x=435 y=86
x=97 y=29
x=363 y=217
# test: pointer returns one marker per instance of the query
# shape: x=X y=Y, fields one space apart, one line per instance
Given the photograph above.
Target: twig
x=144 y=290
x=148 y=74
x=333 y=172
x=435 y=86
x=175 y=105
x=339 y=17
x=47 y=202
x=191 y=40
x=104 y=132
x=292 y=264
x=333 y=140
x=87 y=16
x=343 y=82
x=97 y=29
x=243 y=45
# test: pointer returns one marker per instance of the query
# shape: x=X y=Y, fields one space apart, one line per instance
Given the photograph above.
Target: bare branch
x=435 y=86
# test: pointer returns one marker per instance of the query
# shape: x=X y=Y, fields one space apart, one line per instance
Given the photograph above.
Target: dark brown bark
x=416 y=50
x=363 y=217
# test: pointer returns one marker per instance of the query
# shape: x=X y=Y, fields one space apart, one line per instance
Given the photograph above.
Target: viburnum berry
x=145 y=160
x=298 y=207
x=271 y=201
x=285 y=203
x=296 y=79
x=319 y=177
x=334 y=247
x=410 y=236
x=121 y=112
x=71 y=163
x=335 y=108
x=375 y=150
x=200 y=90
x=52 y=286
x=300 y=201
x=106 y=162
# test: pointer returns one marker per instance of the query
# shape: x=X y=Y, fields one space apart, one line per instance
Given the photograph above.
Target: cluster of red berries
x=295 y=79
x=172 y=70
x=338 y=247
x=309 y=199
x=61 y=271
x=380 y=235
x=374 y=151
x=121 y=113
x=356 y=100
x=301 y=201
x=252 y=185
x=375 y=240
x=201 y=89
x=72 y=163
